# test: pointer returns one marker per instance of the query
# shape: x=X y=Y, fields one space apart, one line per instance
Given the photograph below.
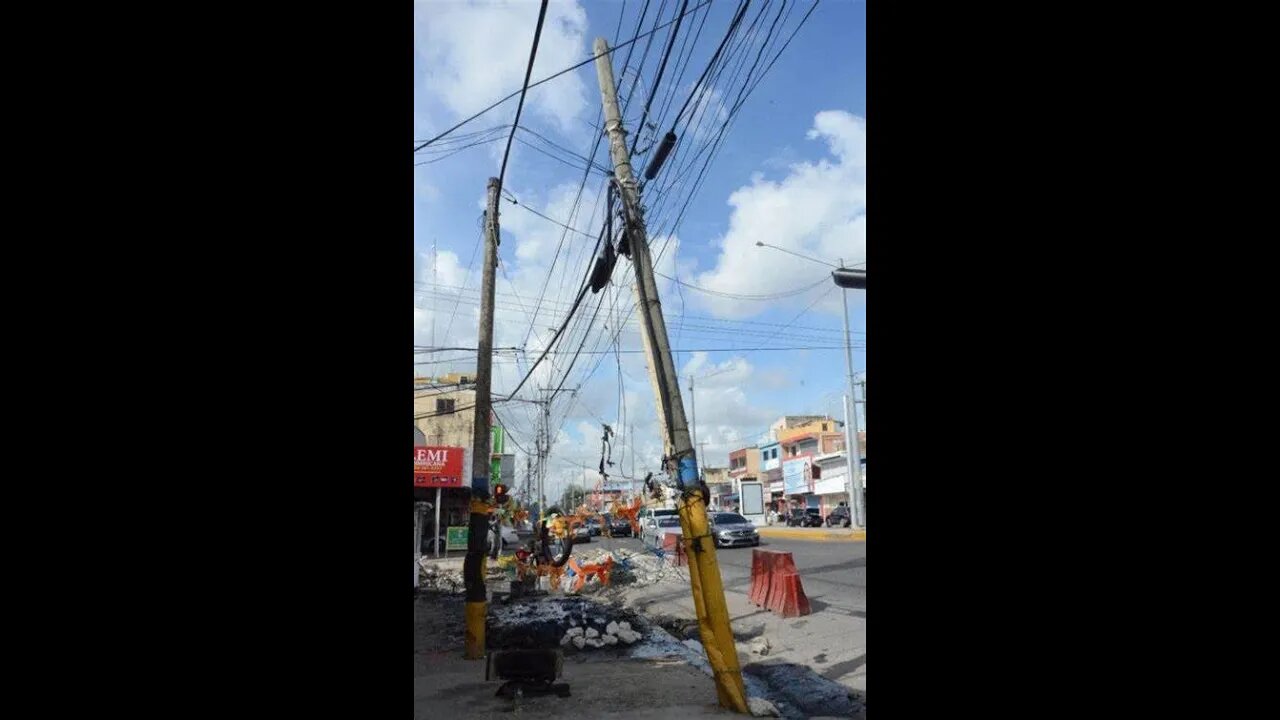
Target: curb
x=795 y=534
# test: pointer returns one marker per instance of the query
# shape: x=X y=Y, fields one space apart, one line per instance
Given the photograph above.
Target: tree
x=573 y=496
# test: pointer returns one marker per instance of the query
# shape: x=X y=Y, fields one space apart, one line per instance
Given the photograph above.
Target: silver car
x=732 y=530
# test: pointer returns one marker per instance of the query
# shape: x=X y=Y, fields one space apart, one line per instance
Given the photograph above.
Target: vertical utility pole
x=852 y=455
x=436 y=530
x=693 y=410
x=537 y=466
x=862 y=384
x=434 y=290
x=473 y=569
x=681 y=464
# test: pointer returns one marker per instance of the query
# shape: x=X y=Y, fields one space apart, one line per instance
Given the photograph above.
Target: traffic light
x=500 y=494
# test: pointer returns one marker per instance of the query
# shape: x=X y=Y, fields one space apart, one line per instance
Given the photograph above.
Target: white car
x=655 y=530
x=509 y=537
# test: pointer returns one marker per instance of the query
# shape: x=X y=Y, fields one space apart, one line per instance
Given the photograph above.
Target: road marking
x=820 y=536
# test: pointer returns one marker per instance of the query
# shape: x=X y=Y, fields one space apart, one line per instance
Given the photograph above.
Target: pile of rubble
x=637 y=569
x=432 y=576
x=564 y=620
x=614 y=633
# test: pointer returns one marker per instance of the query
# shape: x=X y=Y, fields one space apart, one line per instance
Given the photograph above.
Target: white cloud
x=726 y=418
x=437 y=318
x=475 y=53
x=818 y=209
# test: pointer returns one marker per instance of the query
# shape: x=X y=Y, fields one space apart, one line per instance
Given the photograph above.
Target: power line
x=690 y=323
x=533 y=52
x=582 y=292
x=564 y=149
x=738 y=296
x=552 y=77
x=737 y=18
x=464 y=137
x=470 y=264
x=509 y=435
x=815 y=302
x=455 y=151
x=560 y=160
x=459 y=349
x=662 y=68
x=513 y=201
x=721 y=349
x=713 y=146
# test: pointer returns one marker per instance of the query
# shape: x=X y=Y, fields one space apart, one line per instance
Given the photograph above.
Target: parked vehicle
x=648 y=514
x=620 y=527
x=804 y=517
x=508 y=535
x=839 y=516
x=594 y=526
x=732 y=530
x=582 y=533
x=654 y=533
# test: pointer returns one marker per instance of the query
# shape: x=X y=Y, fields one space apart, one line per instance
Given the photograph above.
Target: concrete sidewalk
x=818 y=534
x=446 y=686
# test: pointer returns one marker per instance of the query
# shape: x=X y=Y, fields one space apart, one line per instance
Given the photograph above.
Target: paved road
x=831 y=641
x=834 y=573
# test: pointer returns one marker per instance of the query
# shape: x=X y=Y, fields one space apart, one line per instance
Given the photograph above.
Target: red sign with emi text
x=437 y=466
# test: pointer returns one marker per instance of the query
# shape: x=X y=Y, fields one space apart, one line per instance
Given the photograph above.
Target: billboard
x=503 y=469
x=435 y=466
x=795 y=476
x=751 y=499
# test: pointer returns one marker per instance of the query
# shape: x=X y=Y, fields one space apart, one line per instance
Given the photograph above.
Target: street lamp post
x=846 y=278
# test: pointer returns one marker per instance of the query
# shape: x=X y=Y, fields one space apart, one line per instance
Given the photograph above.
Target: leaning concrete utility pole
x=681 y=463
x=473 y=568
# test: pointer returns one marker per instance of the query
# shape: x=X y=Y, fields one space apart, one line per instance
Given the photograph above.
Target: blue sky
x=790 y=170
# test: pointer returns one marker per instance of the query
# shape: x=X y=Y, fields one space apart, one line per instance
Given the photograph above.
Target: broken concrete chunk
x=760 y=646
x=593 y=633
x=579 y=641
x=574 y=631
x=610 y=639
x=595 y=642
x=566 y=639
x=624 y=625
x=628 y=636
x=762 y=708
x=611 y=628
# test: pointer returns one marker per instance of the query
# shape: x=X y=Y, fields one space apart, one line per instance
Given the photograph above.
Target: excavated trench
x=541 y=622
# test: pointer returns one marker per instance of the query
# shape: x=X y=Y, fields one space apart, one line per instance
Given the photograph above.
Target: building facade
x=806 y=424
x=444 y=414
x=744 y=466
x=792 y=422
x=720 y=485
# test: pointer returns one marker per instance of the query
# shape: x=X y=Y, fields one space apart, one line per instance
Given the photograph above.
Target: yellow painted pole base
x=475 y=612
x=713 y=611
